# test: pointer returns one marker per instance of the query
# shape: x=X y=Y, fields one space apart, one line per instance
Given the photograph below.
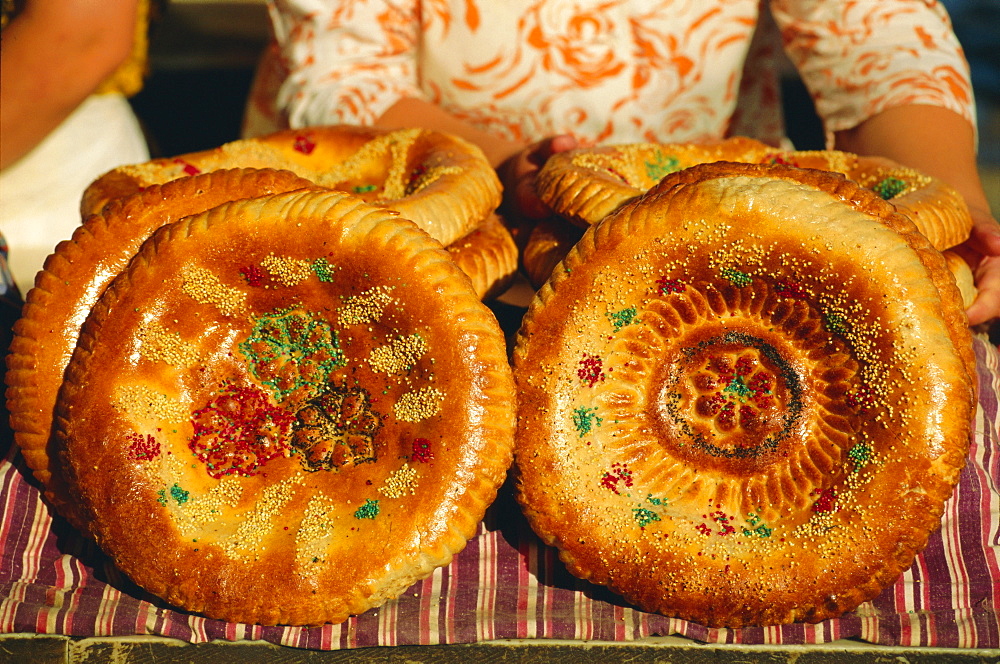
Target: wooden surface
x=143 y=650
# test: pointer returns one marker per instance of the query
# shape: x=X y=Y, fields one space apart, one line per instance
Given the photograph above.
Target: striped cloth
x=506 y=584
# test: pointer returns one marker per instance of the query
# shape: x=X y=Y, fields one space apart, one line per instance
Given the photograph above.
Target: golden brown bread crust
x=744 y=397
x=69 y=284
x=441 y=182
x=937 y=209
x=488 y=256
x=964 y=278
x=587 y=184
x=287 y=410
x=548 y=243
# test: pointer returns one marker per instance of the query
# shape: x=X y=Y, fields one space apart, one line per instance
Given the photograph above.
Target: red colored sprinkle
x=253 y=274
x=778 y=158
x=143 y=448
x=591 y=370
x=304 y=144
x=189 y=169
x=239 y=431
x=744 y=366
x=790 y=289
x=665 y=286
x=826 y=503
x=619 y=473
x=861 y=400
x=422 y=450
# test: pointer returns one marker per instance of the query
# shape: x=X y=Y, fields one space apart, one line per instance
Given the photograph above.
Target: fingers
x=985 y=235
x=561 y=143
x=519 y=175
x=982 y=252
x=986 y=306
x=538 y=153
x=527 y=201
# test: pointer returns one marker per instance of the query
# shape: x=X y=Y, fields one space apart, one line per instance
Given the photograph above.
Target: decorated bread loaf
x=744 y=397
x=287 y=410
x=439 y=181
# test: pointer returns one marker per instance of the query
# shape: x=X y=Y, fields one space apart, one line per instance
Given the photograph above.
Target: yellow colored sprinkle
x=259 y=521
x=366 y=307
x=205 y=288
x=418 y=405
x=395 y=144
x=314 y=532
x=400 y=483
x=159 y=344
x=430 y=176
x=399 y=355
x=287 y=271
x=141 y=401
x=395 y=179
x=200 y=510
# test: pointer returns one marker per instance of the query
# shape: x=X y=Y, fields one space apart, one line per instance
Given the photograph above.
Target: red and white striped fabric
x=507 y=584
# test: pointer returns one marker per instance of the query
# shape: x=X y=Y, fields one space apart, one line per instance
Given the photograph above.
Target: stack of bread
x=266 y=400
x=438 y=181
x=263 y=379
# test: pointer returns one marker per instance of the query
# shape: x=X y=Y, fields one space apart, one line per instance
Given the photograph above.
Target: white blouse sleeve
x=347 y=60
x=861 y=58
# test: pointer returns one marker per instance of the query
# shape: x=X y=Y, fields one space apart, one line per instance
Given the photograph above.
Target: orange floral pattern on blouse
x=605 y=70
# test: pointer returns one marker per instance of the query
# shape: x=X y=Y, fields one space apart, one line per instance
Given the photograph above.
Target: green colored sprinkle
x=655 y=170
x=364 y=188
x=644 y=517
x=584 y=419
x=291 y=350
x=323 y=270
x=179 y=494
x=740 y=279
x=369 y=510
x=890 y=188
x=622 y=318
x=860 y=454
x=738 y=386
x=757 y=527
x=836 y=323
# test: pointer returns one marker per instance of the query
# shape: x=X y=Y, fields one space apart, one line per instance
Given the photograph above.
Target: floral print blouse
x=607 y=70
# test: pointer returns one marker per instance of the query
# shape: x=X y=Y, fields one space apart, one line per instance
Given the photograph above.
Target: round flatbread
x=488 y=255
x=745 y=397
x=287 y=410
x=548 y=243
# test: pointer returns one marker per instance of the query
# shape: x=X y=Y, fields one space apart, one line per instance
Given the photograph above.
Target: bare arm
x=53 y=55
x=410 y=112
x=940 y=143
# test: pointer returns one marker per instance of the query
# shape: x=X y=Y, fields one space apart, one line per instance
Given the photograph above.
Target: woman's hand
x=982 y=252
x=518 y=172
x=516 y=164
x=940 y=143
